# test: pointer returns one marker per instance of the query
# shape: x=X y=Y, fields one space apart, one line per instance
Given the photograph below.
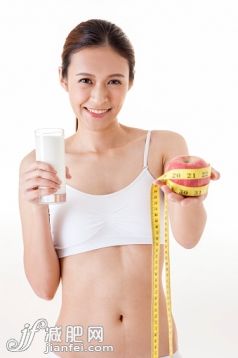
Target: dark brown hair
x=96 y=32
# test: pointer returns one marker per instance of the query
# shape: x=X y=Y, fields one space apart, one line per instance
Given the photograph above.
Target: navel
x=121 y=317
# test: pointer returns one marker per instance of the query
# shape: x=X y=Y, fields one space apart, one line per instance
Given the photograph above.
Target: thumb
x=215 y=175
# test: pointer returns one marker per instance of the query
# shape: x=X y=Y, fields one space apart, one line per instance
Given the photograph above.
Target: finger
x=175 y=197
x=186 y=200
x=166 y=189
x=215 y=175
x=162 y=186
x=41 y=165
x=38 y=174
x=159 y=182
x=34 y=195
x=193 y=200
x=31 y=184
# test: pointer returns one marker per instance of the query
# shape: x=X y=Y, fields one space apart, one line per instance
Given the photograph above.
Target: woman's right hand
x=39 y=174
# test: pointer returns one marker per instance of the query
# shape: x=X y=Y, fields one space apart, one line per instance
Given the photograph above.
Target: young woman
x=99 y=242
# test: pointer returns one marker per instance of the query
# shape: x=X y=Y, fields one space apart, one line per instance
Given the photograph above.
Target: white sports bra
x=87 y=222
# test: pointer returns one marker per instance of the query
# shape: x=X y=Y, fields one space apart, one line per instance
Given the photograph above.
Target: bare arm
x=187 y=221
x=40 y=259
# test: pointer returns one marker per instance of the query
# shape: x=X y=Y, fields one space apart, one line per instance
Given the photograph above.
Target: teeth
x=97 y=111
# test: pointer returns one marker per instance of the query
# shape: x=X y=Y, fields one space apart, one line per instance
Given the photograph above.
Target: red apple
x=188 y=162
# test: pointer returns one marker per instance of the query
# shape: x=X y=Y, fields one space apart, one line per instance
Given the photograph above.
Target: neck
x=99 y=140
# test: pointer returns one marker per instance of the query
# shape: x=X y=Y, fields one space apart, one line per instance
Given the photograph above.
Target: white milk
x=50 y=149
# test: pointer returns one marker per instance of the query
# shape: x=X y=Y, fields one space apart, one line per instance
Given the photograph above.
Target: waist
x=111 y=288
x=114 y=279
x=126 y=329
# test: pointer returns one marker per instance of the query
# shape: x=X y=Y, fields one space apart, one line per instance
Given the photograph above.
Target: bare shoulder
x=168 y=136
x=171 y=143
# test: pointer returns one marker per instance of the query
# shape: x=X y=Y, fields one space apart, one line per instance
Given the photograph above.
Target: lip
x=97 y=115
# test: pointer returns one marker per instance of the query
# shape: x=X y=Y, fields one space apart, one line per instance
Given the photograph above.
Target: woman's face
x=97 y=83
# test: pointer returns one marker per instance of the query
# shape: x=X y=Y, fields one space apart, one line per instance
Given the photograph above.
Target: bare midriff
x=110 y=287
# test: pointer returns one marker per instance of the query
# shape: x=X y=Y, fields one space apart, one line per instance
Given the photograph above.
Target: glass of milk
x=50 y=149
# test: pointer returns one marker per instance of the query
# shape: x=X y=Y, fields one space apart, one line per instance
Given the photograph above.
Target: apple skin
x=188 y=162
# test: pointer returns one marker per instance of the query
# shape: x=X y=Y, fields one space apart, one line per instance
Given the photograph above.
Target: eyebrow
x=90 y=74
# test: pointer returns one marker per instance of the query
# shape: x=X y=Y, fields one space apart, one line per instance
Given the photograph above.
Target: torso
x=111 y=286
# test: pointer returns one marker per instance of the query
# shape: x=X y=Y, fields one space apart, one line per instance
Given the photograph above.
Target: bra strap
x=146 y=151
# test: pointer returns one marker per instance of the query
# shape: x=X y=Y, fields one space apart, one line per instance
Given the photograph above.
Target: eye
x=115 y=82
x=85 y=80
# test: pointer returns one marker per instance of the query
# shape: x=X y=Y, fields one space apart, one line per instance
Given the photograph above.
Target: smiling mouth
x=97 y=111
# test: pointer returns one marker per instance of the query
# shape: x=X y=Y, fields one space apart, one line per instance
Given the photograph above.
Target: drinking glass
x=50 y=149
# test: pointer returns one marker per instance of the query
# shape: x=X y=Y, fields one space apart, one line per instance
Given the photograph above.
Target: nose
x=99 y=94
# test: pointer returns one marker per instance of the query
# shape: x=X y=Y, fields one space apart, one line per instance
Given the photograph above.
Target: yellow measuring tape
x=155 y=221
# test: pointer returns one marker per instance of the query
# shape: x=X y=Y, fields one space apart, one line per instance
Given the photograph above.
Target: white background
x=186 y=81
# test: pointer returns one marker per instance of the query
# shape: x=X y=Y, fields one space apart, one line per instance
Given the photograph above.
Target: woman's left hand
x=185 y=200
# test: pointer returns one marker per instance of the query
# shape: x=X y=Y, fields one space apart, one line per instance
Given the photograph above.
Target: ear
x=63 y=81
